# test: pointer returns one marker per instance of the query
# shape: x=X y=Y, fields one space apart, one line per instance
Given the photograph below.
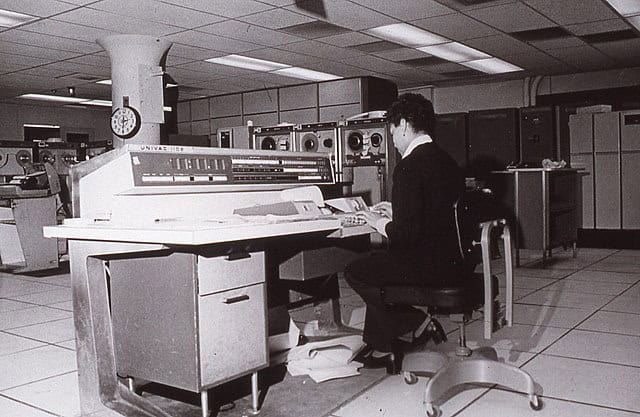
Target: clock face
x=125 y=122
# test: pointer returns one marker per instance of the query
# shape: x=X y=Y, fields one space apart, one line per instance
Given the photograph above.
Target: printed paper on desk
x=308 y=193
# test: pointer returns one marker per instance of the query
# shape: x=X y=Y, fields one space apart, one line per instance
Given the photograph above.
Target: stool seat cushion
x=456 y=297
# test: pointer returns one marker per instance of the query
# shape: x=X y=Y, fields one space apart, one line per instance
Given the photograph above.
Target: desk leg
x=100 y=391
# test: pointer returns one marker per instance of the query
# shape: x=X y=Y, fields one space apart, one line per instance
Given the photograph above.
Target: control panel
x=162 y=169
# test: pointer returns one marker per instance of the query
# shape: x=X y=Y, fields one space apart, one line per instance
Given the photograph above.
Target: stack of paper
x=328 y=359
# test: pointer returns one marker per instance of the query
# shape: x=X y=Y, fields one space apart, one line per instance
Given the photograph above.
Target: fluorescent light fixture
x=626 y=7
x=454 y=52
x=101 y=103
x=491 y=66
x=306 y=74
x=45 y=97
x=246 y=62
x=405 y=34
x=108 y=82
x=10 y=19
x=75 y=100
x=41 y=126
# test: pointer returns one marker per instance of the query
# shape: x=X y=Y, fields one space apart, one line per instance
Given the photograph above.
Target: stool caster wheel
x=536 y=403
x=433 y=411
x=409 y=378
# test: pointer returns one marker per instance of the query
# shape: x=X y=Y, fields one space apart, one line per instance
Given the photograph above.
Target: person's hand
x=371 y=217
x=384 y=208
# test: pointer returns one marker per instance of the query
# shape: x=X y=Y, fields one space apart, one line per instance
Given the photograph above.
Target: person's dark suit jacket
x=422 y=235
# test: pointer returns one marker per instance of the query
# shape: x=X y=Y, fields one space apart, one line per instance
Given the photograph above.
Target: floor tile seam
x=38 y=340
x=603 y=308
x=617 y=272
x=606 y=282
x=4 y=390
x=28 y=405
x=43 y=282
x=624 y=365
x=41 y=322
x=626 y=290
x=567 y=400
x=606 y=332
x=43 y=345
x=470 y=403
x=598 y=307
x=8 y=297
x=354 y=396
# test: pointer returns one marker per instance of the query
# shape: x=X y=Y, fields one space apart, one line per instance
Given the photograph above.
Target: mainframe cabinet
x=543 y=206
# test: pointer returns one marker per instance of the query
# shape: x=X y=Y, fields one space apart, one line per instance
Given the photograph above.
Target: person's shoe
x=434 y=331
x=392 y=361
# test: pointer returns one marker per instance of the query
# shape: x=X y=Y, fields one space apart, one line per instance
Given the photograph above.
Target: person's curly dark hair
x=415 y=109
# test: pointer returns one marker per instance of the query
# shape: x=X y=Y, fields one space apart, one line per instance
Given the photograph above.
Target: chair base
x=482 y=367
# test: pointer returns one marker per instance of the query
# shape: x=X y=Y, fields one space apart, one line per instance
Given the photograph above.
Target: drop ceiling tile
x=222 y=85
x=209 y=41
x=246 y=84
x=191 y=52
x=99 y=60
x=568 y=12
x=459 y=5
x=226 y=8
x=410 y=74
x=21 y=81
x=209 y=71
x=116 y=22
x=627 y=50
x=511 y=17
x=401 y=54
x=322 y=50
x=337 y=68
x=348 y=39
x=7 y=67
x=456 y=26
x=565 y=42
x=609 y=25
x=36 y=7
x=65 y=68
x=283 y=56
x=156 y=11
x=532 y=60
x=36 y=51
x=49 y=41
x=499 y=45
x=406 y=10
x=583 y=57
x=67 y=30
x=277 y=18
x=344 y=13
x=444 y=68
x=185 y=76
x=271 y=79
x=249 y=33
x=22 y=61
x=279 y=3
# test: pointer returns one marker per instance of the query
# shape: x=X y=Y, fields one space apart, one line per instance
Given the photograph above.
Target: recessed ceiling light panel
x=246 y=62
x=306 y=74
x=406 y=34
x=491 y=66
x=10 y=19
x=454 y=52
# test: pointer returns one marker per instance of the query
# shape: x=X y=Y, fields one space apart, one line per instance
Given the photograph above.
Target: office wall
x=512 y=93
x=13 y=116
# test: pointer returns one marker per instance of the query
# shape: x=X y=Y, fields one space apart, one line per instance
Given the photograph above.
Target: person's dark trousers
x=383 y=323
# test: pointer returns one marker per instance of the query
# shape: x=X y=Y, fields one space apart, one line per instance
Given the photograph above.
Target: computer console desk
x=167 y=283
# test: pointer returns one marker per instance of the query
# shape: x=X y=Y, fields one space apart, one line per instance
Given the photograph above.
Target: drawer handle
x=234 y=256
x=232 y=300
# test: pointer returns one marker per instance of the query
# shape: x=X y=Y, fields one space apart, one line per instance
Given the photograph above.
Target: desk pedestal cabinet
x=189 y=320
x=543 y=205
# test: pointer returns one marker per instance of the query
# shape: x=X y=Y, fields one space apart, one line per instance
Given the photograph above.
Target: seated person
x=420 y=226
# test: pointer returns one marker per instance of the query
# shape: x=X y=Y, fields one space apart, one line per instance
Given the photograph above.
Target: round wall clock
x=125 y=122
